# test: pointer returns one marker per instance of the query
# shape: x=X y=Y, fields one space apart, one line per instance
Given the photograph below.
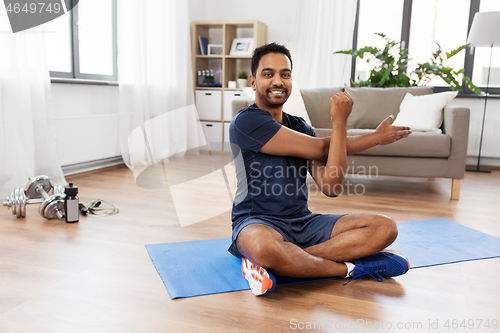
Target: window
x=420 y=25
x=82 y=43
x=482 y=55
x=58 y=41
x=438 y=21
x=383 y=16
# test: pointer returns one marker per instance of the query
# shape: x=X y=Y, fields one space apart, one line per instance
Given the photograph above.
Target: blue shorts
x=303 y=231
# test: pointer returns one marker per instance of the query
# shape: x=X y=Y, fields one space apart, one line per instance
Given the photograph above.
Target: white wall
x=490 y=151
x=85 y=122
x=279 y=15
x=197 y=10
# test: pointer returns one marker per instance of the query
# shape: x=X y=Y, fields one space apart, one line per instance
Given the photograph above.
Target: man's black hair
x=265 y=49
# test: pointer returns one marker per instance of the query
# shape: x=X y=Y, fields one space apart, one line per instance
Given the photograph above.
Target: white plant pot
x=242 y=83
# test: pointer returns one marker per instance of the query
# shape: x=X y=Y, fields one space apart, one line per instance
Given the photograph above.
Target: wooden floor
x=96 y=276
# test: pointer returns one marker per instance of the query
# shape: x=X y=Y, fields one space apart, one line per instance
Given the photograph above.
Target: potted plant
x=390 y=63
x=242 y=79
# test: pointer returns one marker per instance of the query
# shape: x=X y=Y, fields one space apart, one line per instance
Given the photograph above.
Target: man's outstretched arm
x=383 y=135
x=287 y=142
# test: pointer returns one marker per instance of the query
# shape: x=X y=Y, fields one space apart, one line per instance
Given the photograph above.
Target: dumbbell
x=18 y=199
x=52 y=207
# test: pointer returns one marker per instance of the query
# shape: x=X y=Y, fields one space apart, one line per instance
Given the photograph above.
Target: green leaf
x=455 y=51
x=471 y=85
x=343 y=52
x=436 y=54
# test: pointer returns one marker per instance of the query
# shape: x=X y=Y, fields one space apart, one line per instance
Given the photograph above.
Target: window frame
x=75 y=76
x=405 y=40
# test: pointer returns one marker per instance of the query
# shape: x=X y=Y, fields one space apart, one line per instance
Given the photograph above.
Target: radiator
x=491 y=138
x=86 y=138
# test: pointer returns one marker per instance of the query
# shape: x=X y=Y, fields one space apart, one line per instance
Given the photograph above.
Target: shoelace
x=361 y=274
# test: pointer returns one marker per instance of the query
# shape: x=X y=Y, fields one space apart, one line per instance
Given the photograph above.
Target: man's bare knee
x=267 y=254
x=261 y=244
x=388 y=231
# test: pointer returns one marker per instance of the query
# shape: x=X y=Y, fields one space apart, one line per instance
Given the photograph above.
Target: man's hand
x=341 y=107
x=389 y=133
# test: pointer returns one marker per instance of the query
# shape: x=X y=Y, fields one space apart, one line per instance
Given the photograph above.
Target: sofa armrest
x=240 y=104
x=456 y=125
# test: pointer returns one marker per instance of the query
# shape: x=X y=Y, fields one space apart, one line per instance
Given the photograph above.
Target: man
x=273 y=230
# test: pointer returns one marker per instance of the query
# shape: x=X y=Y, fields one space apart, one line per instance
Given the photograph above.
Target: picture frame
x=215 y=49
x=242 y=46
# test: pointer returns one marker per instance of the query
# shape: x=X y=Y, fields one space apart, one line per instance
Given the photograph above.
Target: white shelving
x=214 y=103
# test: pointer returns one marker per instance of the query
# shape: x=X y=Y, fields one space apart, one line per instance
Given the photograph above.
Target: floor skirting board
x=485 y=161
x=91 y=165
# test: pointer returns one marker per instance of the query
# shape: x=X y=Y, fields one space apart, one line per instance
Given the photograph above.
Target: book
x=203 y=45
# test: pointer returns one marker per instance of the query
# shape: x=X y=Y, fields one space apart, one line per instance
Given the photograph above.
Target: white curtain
x=157 y=114
x=27 y=138
x=322 y=27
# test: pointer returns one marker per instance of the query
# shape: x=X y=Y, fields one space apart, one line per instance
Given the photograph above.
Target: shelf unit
x=225 y=67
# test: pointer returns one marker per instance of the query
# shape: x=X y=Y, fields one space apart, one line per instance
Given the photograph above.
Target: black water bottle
x=71 y=204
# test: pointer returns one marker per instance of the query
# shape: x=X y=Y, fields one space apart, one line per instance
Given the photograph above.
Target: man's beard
x=267 y=100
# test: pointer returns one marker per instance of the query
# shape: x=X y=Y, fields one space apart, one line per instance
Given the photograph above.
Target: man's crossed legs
x=353 y=250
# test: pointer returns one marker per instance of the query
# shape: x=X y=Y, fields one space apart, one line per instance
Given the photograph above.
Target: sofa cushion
x=317 y=103
x=423 y=113
x=372 y=105
x=418 y=144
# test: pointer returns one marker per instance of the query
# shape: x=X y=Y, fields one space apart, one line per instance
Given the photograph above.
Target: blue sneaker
x=386 y=263
x=260 y=280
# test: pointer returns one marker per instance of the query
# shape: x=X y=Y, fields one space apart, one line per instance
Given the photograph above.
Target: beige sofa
x=422 y=154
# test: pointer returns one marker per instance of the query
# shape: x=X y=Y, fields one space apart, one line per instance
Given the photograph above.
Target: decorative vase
x=242 y=83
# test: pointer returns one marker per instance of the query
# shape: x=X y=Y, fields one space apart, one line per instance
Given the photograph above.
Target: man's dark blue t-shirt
x=267 y=184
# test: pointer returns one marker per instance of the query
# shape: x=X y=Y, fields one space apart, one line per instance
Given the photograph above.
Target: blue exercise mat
x=205 y=267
